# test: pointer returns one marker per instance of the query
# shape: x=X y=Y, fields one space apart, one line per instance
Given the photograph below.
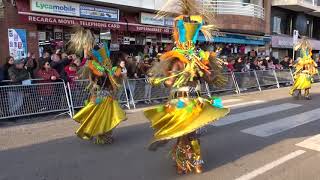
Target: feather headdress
x=190 y=8
x=82 y=39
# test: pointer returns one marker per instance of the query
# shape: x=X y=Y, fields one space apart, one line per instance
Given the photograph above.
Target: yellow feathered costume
x=102 y=112
x=181 y=69
x=305 y=69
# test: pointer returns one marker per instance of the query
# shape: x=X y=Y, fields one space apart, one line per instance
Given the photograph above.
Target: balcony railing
x=233 y=8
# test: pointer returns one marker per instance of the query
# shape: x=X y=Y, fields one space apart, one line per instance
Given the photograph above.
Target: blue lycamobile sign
x=54 y=7
x=75 y=9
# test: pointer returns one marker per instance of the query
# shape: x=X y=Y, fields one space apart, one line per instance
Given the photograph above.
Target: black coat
x=6 y=68
x=59 y=67
x=18 y=75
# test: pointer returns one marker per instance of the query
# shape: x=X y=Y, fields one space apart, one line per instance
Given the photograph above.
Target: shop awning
x=30 y=17
x=237 y=39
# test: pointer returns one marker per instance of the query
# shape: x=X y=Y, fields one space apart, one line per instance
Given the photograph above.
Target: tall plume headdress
x=99 y=63
x=193 y=18
x=194 y=8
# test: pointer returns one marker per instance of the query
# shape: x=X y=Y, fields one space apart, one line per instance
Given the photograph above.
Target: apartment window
x=309 y=27
x=316 y=28
x=276 y=28
x=281 y=24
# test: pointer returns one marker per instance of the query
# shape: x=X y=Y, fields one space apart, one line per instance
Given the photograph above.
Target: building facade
x=290 y=15
x=243 y=25
x=129 y=25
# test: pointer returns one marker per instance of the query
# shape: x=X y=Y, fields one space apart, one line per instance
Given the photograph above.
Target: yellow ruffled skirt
x=98 y=119
x=170 y=121
x=303 y=81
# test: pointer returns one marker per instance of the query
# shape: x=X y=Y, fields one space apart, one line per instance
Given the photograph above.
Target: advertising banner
x=17 y=43
x=97 y=12
x=149 y=18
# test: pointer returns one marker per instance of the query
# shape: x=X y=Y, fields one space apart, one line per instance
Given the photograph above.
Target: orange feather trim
x=173 y=54
x=94 y=70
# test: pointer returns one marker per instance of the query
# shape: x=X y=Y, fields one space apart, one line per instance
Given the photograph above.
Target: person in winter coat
x=47 y=73
x=71 y=72
x=6 y=67
x=18 y=76
x=47 y=91
x=31 y=64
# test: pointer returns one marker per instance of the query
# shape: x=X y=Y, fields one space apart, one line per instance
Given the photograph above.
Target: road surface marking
x=275 y=127
x=238 y=105
x=312 y=143
x=223 y=101
x=233 y=118
x=271 y=165
x=230 y=100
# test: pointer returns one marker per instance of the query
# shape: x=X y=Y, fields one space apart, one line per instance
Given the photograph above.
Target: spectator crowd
x=64 y=67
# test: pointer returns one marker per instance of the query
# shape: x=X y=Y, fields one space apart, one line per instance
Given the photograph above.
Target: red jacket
x=70 y=74
x=46 y=76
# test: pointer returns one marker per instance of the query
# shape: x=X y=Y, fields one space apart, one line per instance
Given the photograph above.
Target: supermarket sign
x=52 y=7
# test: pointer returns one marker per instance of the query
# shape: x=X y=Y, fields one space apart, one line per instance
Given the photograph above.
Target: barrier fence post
x=291 y=75
x=275 y=76
x=125 y=92
x=255 y=74
x=71 y=111
x=71 y=100
x=235 y=82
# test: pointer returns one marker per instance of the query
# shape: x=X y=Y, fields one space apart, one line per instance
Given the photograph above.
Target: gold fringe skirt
x=303 y=81
x=98 y=119
x=170 y=121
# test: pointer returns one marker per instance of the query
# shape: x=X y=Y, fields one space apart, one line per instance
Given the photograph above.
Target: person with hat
x=18 y=74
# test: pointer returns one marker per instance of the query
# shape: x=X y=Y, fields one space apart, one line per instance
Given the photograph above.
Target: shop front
x=283 y=46
x=55 y=24
x=232 y=43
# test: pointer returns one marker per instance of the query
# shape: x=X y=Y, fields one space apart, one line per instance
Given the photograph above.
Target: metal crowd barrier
x=38 y=98
x=267 y=78
x=284 y=76
x=78 y=94
x=25 y=100
x=247 y=80
x=230 y=86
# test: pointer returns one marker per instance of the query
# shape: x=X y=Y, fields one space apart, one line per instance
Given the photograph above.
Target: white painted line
x=244 y=104
x=312 y=143
x=271 y=165
x=230 y=100
x=275 y=127
x=233 y=118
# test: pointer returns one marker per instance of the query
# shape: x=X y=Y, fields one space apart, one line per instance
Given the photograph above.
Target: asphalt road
x=268 y=135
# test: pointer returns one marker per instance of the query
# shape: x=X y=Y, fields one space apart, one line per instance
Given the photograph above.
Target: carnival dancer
x=181 y=69
x=102 y=113
x=305 y=69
